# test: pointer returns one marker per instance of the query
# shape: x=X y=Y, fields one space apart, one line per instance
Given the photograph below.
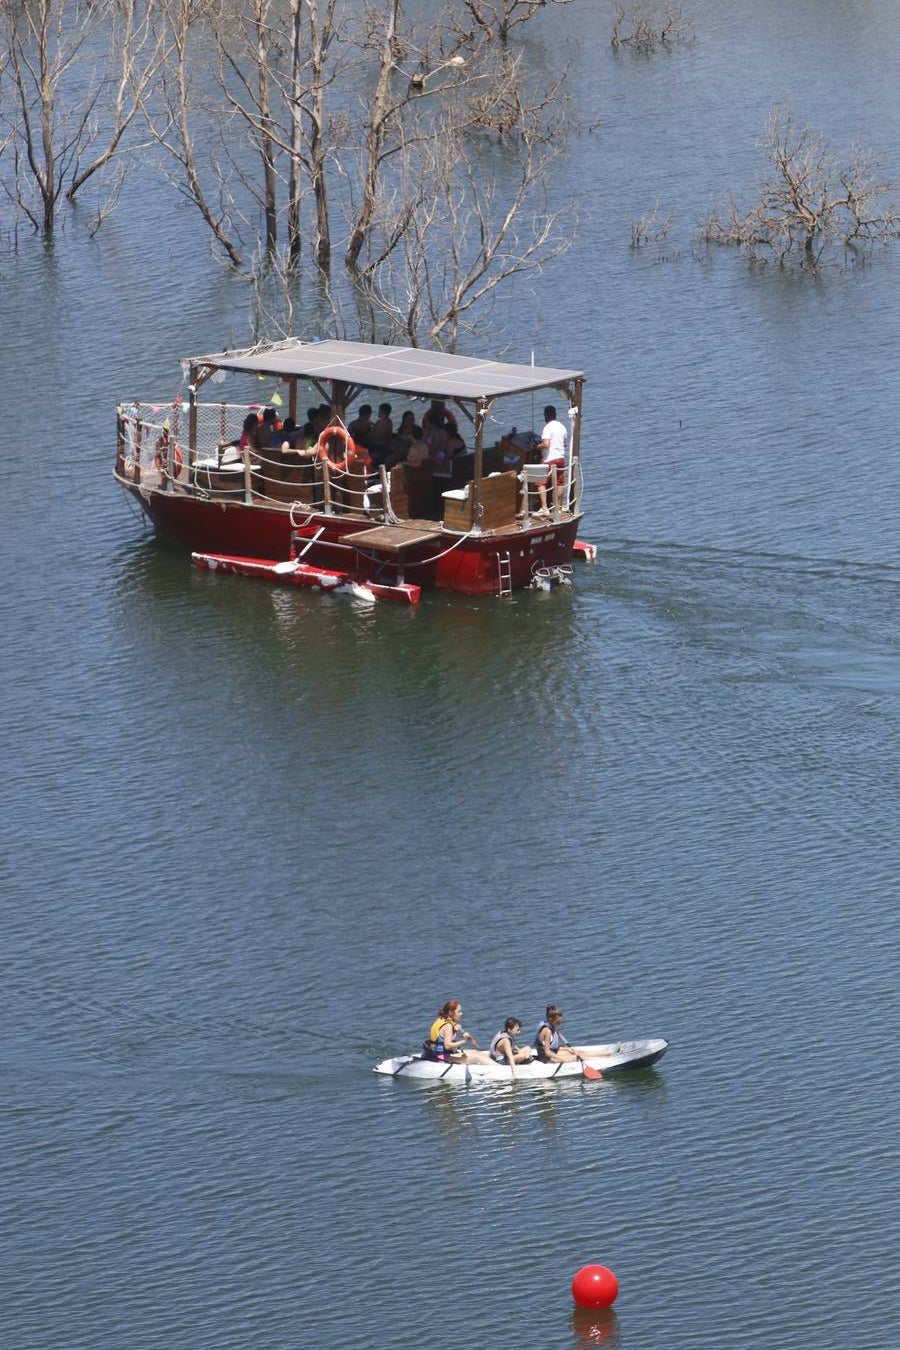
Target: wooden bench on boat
x=347 y=491
x=411 y=490
x=295 y=477
x=499 y=498
x=210 y=474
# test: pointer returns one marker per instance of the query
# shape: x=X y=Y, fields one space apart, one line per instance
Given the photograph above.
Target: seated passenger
x=550 y=1045
x=434 y=431
x=308 y=434
x=361 y=426
x=455 y=443
x=402 y=440
x=381 y=434
x=418 y=452
x=335 y=439
x=446 y=1038
x=251 y=422
x=287 y=434
x=436 y=415
x=506 y=1050
x=271 y=427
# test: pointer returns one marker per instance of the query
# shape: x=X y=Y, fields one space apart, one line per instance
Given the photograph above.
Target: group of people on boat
x=368 y=442
x=373 y=439
x=447 y=1042
x=435 y=438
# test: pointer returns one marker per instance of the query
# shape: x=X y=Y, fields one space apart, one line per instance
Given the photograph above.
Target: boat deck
x=396 y=539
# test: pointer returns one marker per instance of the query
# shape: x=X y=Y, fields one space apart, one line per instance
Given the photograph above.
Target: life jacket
x=495 y=1053
x=434 y=1046
x=556 y=1039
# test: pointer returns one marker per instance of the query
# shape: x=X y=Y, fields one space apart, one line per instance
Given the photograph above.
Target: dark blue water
x=253 y=838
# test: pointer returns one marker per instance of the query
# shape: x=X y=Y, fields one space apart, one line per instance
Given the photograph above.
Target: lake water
x=241 y=824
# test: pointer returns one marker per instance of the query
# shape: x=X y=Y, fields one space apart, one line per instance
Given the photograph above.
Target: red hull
x=467 y=565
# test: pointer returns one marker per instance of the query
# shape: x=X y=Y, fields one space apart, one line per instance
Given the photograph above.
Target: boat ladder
x=504 y=573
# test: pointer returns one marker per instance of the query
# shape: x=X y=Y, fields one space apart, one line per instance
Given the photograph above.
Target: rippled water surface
x=253 y=838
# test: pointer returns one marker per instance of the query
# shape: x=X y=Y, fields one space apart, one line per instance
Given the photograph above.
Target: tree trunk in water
x=374 y=141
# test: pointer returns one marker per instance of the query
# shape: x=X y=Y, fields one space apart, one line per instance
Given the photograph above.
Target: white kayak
x=611 y=1058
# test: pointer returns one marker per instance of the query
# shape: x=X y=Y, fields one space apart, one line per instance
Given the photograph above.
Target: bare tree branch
x=497 y=18
x=169 y=117
x=806 y=203
x=645 y=26
x=69 y=125
x=458 y=232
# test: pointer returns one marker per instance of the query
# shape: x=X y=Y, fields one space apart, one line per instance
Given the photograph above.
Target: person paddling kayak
x=446 y=1038
x=550 y=1045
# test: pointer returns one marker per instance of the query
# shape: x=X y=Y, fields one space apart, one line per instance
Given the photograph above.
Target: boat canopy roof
x=403 y=370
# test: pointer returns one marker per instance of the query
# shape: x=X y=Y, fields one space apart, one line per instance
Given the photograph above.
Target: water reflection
x=459 y=1113
x=511 y=1115
x=642 y=1082
x=594 y=1326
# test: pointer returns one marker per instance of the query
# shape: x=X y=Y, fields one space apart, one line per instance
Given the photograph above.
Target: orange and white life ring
x=161 y=460
x=352 y=451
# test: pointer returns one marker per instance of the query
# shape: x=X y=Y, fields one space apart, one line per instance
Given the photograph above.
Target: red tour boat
x=320 y=510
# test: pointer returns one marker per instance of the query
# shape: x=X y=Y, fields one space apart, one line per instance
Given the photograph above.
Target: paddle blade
x=594 y=1074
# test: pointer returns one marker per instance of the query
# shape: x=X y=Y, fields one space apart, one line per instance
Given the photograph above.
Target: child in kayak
x=506 y=1050
x=446 y=1038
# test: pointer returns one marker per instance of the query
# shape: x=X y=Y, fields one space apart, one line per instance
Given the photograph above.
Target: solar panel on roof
x=401 y=369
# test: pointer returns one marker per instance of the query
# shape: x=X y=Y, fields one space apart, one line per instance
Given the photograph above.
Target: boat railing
x=153 y=450
x=300 y=477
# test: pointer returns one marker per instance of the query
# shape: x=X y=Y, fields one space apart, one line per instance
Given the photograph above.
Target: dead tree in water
x=458 y=227
x=182 y=125
x=497 y=18
x=644 y=26
x=66 y=113
x=807 y=202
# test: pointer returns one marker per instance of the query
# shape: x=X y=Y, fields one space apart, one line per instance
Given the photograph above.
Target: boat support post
x=572 y=474
x=482 y=408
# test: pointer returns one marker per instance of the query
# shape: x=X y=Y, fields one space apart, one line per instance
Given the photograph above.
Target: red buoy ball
x=594 y=1287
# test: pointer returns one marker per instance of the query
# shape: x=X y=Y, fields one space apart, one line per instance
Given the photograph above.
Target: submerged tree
x=497 y=18
x=73 y=81
x=652 y=227
x=644 y=26
x=180 y=120
x=459 y=225
x=401 y=133
x=273 y=115
x=808 y=202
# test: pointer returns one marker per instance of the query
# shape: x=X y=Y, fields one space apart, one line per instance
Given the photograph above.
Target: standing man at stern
x=552 y=446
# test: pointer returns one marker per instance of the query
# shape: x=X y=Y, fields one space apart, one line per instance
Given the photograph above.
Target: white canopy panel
x=405 y=370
